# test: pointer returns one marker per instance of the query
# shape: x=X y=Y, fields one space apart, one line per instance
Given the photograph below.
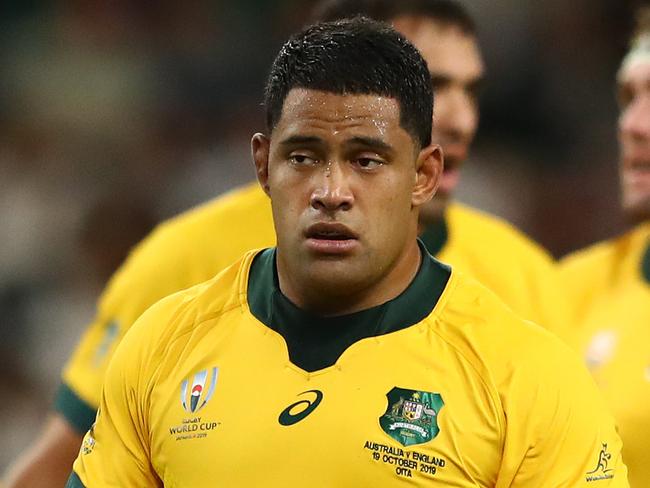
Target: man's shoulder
x=595 y=271
x=216 y=218
x=178 y=314
x=472 y=226
x=602 y=255
x=193 y=247
x=539 y=387
x=472 y=303
x=489 y=334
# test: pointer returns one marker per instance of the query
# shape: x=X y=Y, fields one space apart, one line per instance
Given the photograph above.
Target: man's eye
x=625 y=94
x=624 y=98
x=301 y=159
x=369 y=163
x=438 y=82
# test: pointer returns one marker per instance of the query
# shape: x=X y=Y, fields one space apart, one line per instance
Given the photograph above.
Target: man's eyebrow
x=297 y=139
x=477 y=83
x=475 y=87
x=371 y=142
x=439 y=78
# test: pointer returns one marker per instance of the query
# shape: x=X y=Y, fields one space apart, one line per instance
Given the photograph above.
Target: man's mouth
x=330 y=231
x=330 y=238
x=637 y=175
x=449 y=180
x=636 y=165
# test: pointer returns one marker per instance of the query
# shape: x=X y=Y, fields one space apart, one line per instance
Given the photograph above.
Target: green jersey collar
x=316 y=342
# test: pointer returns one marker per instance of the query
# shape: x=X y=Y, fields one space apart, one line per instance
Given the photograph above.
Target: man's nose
x=332 y=189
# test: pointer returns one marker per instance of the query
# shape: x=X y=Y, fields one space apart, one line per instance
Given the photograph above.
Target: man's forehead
x=444 y=46
x=304 y=105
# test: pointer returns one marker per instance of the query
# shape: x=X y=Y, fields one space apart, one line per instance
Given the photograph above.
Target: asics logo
x=297 y=411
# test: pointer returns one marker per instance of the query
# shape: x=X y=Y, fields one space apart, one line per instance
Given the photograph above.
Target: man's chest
x=381 y=414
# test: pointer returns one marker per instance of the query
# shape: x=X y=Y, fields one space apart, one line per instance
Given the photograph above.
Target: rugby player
x=346 y=355
x=610 y=281
x=196 y=245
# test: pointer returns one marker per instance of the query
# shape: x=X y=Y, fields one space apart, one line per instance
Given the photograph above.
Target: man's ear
x=260 y=146
x=428 y=171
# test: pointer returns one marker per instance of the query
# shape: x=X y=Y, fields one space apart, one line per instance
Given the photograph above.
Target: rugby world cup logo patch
x=197 y=393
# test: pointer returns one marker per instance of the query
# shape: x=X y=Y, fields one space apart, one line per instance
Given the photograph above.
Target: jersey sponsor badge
x=297 y=411
x=411 y=416
x=196 y=392
x=196 y=396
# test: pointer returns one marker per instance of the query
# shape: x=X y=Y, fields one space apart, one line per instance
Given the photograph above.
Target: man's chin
x=337 y=278
x=637 y=212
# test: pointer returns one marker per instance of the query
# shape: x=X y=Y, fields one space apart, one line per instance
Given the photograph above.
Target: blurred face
x=634 y=137
x=345 y=181
x=456 y=69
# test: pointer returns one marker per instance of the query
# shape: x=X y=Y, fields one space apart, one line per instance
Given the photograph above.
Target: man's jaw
x=635 y=181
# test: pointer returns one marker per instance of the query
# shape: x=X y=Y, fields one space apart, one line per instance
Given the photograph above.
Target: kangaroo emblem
x=603 y=461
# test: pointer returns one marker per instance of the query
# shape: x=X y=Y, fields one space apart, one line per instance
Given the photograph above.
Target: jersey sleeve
x=78 y=396
x=559 y=432
x=116 y=450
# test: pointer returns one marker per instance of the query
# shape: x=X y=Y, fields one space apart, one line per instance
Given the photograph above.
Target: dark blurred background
x=115 y=115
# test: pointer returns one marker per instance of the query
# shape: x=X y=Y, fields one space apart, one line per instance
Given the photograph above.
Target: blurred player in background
x=346 y=356
x=196 y=245
x=610 y=281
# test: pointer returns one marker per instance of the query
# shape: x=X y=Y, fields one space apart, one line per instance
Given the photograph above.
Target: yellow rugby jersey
x=610 y=287
x=229 y=384
x=503 y=259
x=198 y=244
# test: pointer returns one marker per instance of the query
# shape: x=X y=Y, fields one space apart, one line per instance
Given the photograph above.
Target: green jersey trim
x=74 y=481
x=435 y=236
x=78 y=413
x=316 y=342
x=645 y=264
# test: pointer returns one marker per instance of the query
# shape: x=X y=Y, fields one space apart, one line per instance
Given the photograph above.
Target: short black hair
x=354 y=56
x=446 y=12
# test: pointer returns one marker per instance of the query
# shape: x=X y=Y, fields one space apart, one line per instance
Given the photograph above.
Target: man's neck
x=332 y=300
x=315 y=342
